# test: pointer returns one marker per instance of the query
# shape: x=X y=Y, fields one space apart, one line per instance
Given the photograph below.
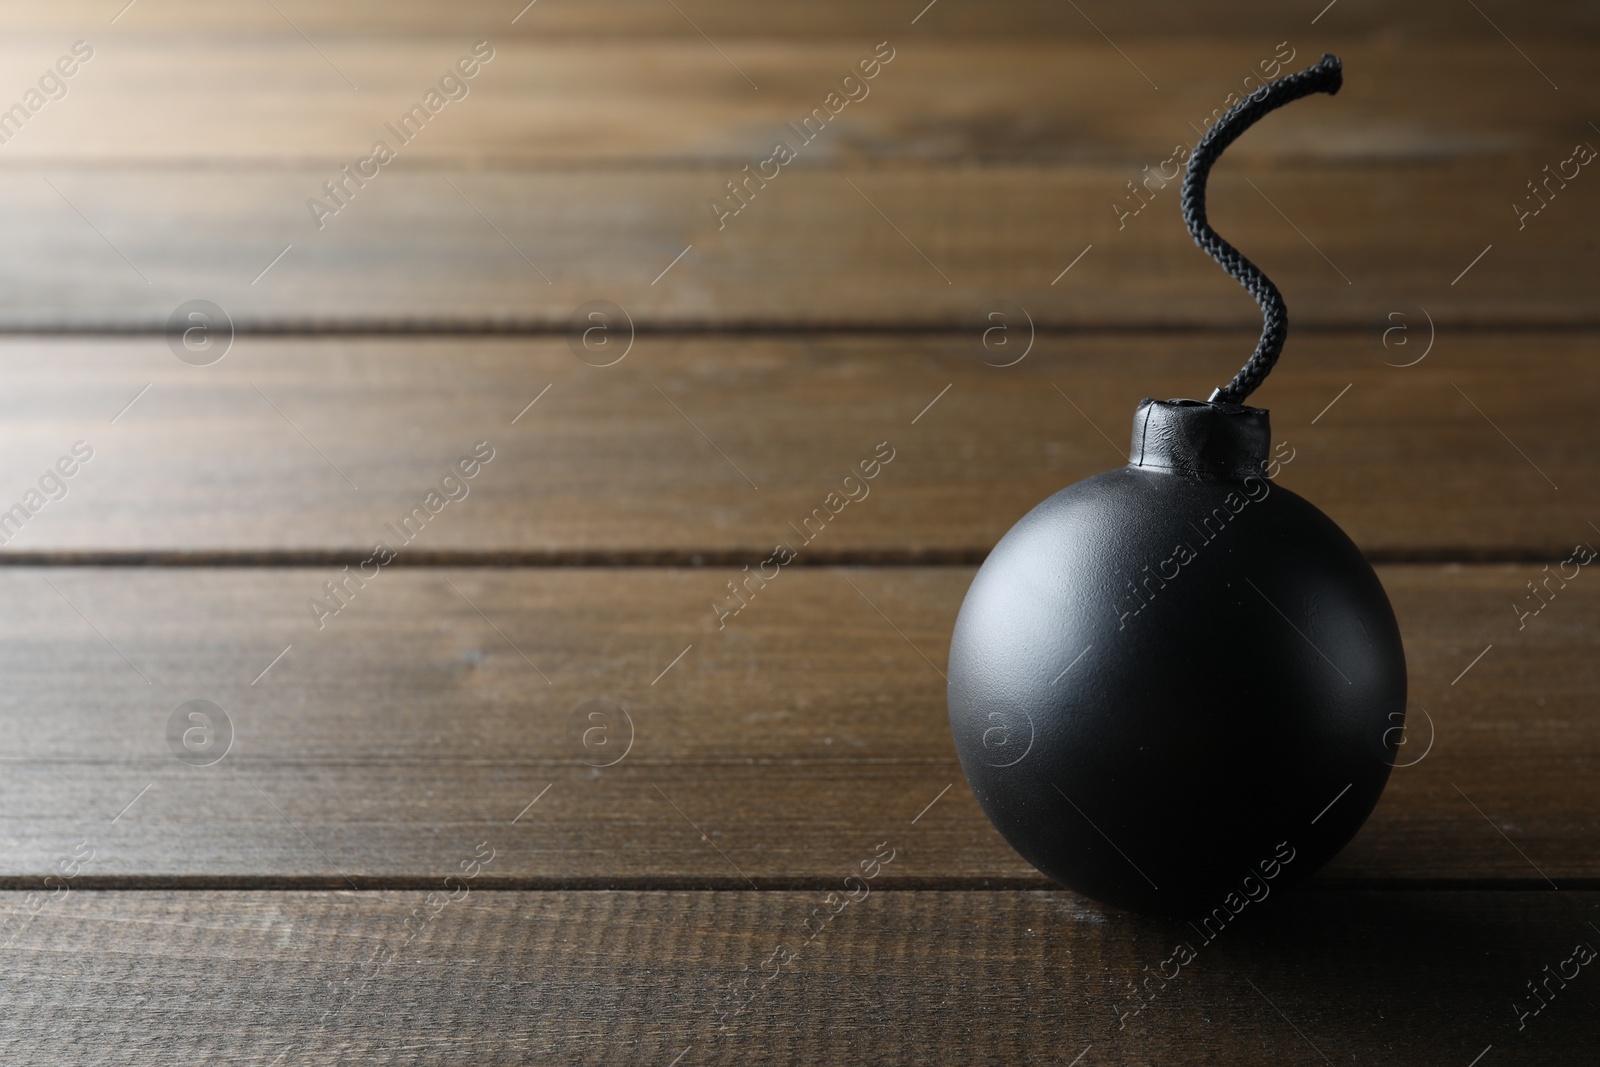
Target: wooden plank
x=112 y=248
x=609 y=464
x=411 y=722
x=646 y=977
x=143 y=99
x=1437 y=19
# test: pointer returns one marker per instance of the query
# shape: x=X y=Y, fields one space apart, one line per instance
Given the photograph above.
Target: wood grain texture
x=113 y=248
x=914 y=977
x=813 y=19
x=440 y=704
x=521 y=796
x=190 y=100
x=249 y=458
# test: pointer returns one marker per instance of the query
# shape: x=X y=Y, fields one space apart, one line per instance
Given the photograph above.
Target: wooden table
x=516 y=790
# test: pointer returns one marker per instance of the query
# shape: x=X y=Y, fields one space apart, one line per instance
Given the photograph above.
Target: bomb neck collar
x=1205 y=439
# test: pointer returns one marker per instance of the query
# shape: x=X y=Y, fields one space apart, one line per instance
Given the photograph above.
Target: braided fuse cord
x=1325 y=77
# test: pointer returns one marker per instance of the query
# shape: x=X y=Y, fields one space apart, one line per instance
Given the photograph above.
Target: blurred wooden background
x=410 y=834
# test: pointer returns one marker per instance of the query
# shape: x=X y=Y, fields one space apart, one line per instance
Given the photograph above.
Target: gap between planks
x=911 y=329
x=643 y=558
x=356 y=883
